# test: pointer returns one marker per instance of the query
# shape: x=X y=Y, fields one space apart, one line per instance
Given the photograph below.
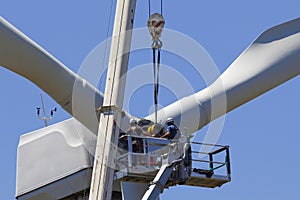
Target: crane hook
x=156 y=24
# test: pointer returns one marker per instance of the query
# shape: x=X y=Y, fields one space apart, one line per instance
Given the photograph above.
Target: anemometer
x=44 y=118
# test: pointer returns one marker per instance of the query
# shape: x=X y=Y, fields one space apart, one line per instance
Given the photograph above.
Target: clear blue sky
x=263 y=134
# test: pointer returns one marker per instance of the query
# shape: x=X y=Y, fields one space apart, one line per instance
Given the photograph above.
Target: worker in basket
x=171 y=130
x=136 y=130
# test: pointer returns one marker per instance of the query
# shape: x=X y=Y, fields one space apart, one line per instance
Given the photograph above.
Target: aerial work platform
x=197 y=180
x=209 y=168
x=64 y=145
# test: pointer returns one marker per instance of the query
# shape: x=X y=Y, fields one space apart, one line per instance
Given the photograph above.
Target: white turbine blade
x=23 y=56
x=272 y=59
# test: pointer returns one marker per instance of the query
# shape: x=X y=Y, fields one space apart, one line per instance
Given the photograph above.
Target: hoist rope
x=157 y=82
x=154 y=77
x=156 y=67
x=157 y=75
x=161 y=7
x=155 y=85
x=156 y=45
x=149 y=7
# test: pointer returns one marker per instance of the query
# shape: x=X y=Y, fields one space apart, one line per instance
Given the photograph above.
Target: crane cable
x=156 y=79
x=161 y=7
x=155 y=25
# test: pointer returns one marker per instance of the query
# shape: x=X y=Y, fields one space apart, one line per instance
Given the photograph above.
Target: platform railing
x=141 y=153
x=213 y=164
x=146 y=154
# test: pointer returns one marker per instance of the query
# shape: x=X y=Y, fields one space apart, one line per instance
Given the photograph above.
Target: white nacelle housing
x=54 y=162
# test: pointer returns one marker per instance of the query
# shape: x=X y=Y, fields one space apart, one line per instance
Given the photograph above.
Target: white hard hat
x=170 y=120
x=133 y=121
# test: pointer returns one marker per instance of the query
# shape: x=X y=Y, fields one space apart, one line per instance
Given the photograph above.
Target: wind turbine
x=261 y=44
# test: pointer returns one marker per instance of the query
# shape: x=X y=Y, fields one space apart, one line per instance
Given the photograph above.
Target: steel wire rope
x=149 y=7
x=156 y=66
x=161 y=7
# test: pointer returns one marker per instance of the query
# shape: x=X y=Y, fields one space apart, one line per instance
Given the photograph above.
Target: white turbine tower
x=272 y=59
